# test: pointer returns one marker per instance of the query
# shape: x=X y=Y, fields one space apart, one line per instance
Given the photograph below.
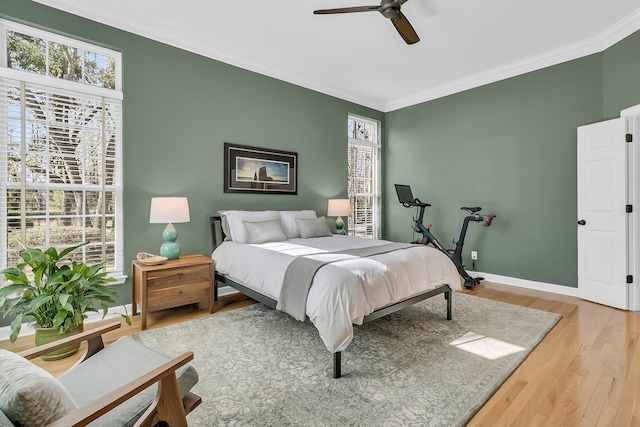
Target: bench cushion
x=111 y=368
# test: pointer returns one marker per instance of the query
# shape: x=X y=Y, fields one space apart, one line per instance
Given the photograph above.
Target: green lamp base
x=340 y=226
x=170 y=248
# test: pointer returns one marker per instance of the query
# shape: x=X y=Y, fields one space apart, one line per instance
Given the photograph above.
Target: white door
x=602 y=217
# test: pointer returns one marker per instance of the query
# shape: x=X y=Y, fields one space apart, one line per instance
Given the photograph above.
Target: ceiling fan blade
x=405 y=29
x=347 y=10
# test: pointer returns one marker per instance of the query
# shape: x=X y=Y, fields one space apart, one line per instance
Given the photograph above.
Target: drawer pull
x=180 y=291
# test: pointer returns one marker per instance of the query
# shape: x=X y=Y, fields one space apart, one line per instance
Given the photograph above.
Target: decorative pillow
x=225 y=225
x=264 y=231
x=235 y=220
x=288 y=219
x=29 y=395
x=316 y=227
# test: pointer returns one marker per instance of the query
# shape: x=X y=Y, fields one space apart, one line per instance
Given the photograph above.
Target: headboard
x=215 y=224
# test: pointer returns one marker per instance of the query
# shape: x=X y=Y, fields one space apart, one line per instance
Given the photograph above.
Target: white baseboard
x=27 y=329
x=226 y=290
x=528 y=284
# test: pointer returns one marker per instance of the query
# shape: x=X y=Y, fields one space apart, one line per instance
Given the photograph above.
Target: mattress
x=343 y=292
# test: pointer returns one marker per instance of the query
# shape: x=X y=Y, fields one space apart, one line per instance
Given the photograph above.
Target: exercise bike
x=405 y=196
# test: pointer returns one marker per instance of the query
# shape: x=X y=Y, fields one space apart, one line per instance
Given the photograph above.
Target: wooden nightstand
x=182 y=281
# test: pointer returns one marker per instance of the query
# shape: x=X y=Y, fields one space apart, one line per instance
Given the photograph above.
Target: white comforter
x=345 y=291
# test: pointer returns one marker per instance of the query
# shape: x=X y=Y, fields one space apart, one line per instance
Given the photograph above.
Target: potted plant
x=56 y=294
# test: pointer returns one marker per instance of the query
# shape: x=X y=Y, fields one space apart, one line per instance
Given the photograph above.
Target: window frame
x=6 y=25
x=82 y=90
x=375 y=145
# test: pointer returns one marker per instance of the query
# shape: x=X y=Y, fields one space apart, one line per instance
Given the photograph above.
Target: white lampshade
x=166 y=210
x=339 y=207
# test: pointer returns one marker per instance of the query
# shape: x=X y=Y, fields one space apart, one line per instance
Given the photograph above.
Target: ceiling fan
x=389 y=9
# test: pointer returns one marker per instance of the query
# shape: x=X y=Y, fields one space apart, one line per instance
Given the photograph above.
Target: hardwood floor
x=586 y=372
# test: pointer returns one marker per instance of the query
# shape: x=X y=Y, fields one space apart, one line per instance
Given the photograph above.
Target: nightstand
x=182 y=281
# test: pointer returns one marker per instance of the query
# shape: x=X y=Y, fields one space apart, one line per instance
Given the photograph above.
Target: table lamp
x=169 y=210
x=339 y=207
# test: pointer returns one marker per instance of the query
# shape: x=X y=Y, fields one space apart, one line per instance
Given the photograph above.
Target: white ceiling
x=359 y=56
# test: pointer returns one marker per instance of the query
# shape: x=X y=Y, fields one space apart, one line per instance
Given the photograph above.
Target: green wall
x=621 y=76
x=509 y=147
x=179 y=110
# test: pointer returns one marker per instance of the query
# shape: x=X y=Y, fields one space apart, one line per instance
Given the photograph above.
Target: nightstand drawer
x=171 y=277
x=179 y=294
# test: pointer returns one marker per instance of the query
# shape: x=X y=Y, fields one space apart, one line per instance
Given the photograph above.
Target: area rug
x=260 y=367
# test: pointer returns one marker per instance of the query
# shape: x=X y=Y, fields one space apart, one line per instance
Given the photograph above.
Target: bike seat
x=472 y=210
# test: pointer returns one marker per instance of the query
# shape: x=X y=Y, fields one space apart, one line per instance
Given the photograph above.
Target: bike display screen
x=405 y=195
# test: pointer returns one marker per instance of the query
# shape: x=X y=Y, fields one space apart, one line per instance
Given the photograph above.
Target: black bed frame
x=215 y=222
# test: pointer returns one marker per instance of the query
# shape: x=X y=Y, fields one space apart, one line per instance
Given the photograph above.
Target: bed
x=351 y=280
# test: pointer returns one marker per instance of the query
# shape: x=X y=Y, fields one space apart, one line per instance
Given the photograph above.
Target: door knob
x=582 y=222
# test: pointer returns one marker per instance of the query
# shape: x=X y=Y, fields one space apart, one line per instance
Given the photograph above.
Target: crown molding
x=596 y=44
x=144 y=27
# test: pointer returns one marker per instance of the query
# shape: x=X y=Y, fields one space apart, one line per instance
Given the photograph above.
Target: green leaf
x=37 y=303
x=66 y=251
x=12 y=305
x=60 y=318
x=63 y=298
x=14 y=274
x=58 y=275
x=52 y=253
x=33 y=256
x=16 y=287
x=15 y=328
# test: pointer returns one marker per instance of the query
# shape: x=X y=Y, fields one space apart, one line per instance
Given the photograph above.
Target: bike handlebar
x=415 y=202
x=488 y=219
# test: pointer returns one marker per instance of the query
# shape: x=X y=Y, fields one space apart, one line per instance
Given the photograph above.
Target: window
x=60 y=147
x=364 y=177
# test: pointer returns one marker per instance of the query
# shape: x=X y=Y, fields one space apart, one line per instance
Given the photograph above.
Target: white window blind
x=364 y=177
x=60 y=159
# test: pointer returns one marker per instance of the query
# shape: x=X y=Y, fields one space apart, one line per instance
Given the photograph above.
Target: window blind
x=364 y=178
x=61 y=173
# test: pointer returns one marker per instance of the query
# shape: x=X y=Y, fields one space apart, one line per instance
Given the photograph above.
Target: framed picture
x=259 y=170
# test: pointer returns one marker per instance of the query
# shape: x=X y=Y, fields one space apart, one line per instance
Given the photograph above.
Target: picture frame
x=259 y=170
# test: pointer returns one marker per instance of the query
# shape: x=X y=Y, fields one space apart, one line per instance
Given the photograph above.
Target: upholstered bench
x=115 y=386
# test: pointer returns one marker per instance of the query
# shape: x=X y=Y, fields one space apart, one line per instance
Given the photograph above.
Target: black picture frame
x=259 y=170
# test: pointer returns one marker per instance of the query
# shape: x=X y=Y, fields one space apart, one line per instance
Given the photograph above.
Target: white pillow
x=288 y=219
x=264 y=231
x=316 y=227
x=224 y=225
x=235 y=220
x=29 y=395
